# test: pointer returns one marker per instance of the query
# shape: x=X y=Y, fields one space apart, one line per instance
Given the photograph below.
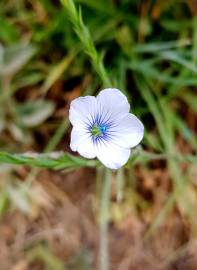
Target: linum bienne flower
x=104 y=128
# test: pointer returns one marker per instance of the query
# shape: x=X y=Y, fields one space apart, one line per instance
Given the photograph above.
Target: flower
x=104 y=128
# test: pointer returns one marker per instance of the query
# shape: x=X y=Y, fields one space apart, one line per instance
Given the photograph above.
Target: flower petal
x=82 y=110
x=112 y=103
x=111 y=155
x=128 y=132
x=82 y=143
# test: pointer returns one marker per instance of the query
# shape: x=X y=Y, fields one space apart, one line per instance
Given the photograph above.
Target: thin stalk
x=63 y=160
x=195 y=41
x=53 y=160
x=58 y=135
x=86 y=40
x=120 y=180
x=104 y=218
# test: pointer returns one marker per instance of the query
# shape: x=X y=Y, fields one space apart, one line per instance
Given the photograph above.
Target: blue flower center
x=98 y=130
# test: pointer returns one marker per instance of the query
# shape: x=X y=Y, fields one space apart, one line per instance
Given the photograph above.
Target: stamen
x=98 y=130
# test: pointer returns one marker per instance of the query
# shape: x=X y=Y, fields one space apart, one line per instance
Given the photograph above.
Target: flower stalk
x=104 y=218
x=84 y=36
x=62 y=160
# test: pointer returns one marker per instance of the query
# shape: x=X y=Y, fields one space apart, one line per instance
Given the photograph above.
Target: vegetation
x=61 y=211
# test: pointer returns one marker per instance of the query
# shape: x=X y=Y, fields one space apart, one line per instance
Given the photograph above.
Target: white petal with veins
x=113 y=102
x=112 y=155
x=82 y=143
x=129 y=131
x=82 y=110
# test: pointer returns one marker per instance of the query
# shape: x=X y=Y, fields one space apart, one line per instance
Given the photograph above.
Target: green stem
x=54 y=160
x=120 y=180
x=104 y=218
x=62 y=160
x=195 y=41
x=86 y=40
x=61 y=130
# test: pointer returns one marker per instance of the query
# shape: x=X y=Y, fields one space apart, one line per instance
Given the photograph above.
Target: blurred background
x=49 y=219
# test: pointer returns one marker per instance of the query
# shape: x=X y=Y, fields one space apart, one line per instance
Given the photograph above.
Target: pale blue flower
x=104 y=128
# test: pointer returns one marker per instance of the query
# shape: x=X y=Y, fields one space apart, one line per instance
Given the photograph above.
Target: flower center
x=98 y=130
